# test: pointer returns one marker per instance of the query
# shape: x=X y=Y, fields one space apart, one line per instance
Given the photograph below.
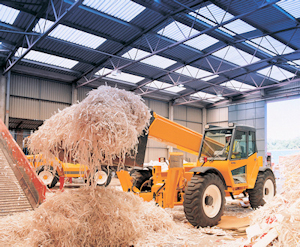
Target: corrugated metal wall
x=252 y=114
x=82 y=92
x=217 y=116
x=157 y=149
x=192 y=118
x=33 y=98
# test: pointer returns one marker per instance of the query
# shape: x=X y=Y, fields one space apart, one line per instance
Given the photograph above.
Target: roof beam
x=45 y=34
x=189 y=38
x=27 y=30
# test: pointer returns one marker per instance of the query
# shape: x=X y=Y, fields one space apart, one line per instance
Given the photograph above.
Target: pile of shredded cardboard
x=278 y=222
x=98 y=217
x=104 y=126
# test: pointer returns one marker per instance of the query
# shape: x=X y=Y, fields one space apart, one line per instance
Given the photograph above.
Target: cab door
x=238 y=157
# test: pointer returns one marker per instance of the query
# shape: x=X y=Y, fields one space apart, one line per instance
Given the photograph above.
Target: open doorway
x=283 y=132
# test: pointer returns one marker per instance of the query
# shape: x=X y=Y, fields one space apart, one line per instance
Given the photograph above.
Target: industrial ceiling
x=202 y=53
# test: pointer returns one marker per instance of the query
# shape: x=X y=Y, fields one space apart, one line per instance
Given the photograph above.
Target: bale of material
x=105 y=125
x=86 y=217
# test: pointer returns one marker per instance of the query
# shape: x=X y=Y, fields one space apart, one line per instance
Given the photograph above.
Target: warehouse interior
x=195 y=62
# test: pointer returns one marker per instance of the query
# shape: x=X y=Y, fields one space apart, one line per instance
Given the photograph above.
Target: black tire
x=109 y=173
x=108 y=176
x=140 y=177
x=262 y=193
x=198 y=204
x=55 y=179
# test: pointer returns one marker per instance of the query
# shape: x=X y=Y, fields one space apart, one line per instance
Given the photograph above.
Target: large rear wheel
x=264 y=190
x=204 y=200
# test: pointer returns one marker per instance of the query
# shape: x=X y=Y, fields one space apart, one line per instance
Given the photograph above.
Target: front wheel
x=264 y=189
x=102 y=177
x=48 y=176
x=204 y=200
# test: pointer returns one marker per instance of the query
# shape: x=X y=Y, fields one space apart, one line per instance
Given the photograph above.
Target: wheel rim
x=268 y=190
x=100 y=177
x=212 y=201
x=46 y=177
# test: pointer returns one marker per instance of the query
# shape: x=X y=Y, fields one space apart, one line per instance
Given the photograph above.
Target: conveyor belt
x=12 y=197
x=20 y=188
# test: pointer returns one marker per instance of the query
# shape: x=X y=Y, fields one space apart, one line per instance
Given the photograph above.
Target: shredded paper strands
x=278 y=222
x=104 y=126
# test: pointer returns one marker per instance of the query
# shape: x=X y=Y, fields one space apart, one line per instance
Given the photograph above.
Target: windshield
x=216 y=144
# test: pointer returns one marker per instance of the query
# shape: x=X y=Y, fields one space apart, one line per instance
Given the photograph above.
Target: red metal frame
x=22 y=161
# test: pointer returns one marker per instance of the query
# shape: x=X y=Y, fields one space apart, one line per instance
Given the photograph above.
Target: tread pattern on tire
x=193 y=199
x=109 y=175
x=256 y=194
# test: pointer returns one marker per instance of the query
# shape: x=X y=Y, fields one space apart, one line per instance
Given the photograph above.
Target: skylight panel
x=290 y=6
x=125 y=10
x=207 y=96
x=236 y=85
x=47 y=58
x=276 y=73
x=201 y=42
x=155 y=60
x=69 y=34
x=235 y=56
x=121 y=76
x=239 y=26
x=8 y=14
x=213 y=13
x=270 y=45
x=196 y=73
x=165 y=86
x=178 y=31
x=294 y=63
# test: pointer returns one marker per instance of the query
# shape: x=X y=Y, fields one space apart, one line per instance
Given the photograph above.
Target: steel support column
x=7 y=100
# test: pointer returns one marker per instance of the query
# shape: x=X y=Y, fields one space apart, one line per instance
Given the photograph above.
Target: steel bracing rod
x=245 y=67
x=127 y=44
x=29 y=28
x=45 y=34
x=184 y=40
x=18 y=30
x=259 y=28
x=244 y=93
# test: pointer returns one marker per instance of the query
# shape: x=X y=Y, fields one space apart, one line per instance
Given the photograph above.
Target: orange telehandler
x=227 y=164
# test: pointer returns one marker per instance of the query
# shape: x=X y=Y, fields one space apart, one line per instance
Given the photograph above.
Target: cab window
x=239 y=148
x=251 y=143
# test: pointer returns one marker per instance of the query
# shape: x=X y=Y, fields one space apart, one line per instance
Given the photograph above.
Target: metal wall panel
x=154 y=154
x=50 y=108
x=160 y=107
x=24 y=108
x=217 y=115
x=252 y=114
x=195 y=126
x=180 y=112
x=194 y=114
x=56 y=91
x=24 y=86
x=82 y=92
x=180 y=122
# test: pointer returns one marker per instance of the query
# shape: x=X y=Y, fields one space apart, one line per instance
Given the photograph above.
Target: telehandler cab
x=227 y=165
